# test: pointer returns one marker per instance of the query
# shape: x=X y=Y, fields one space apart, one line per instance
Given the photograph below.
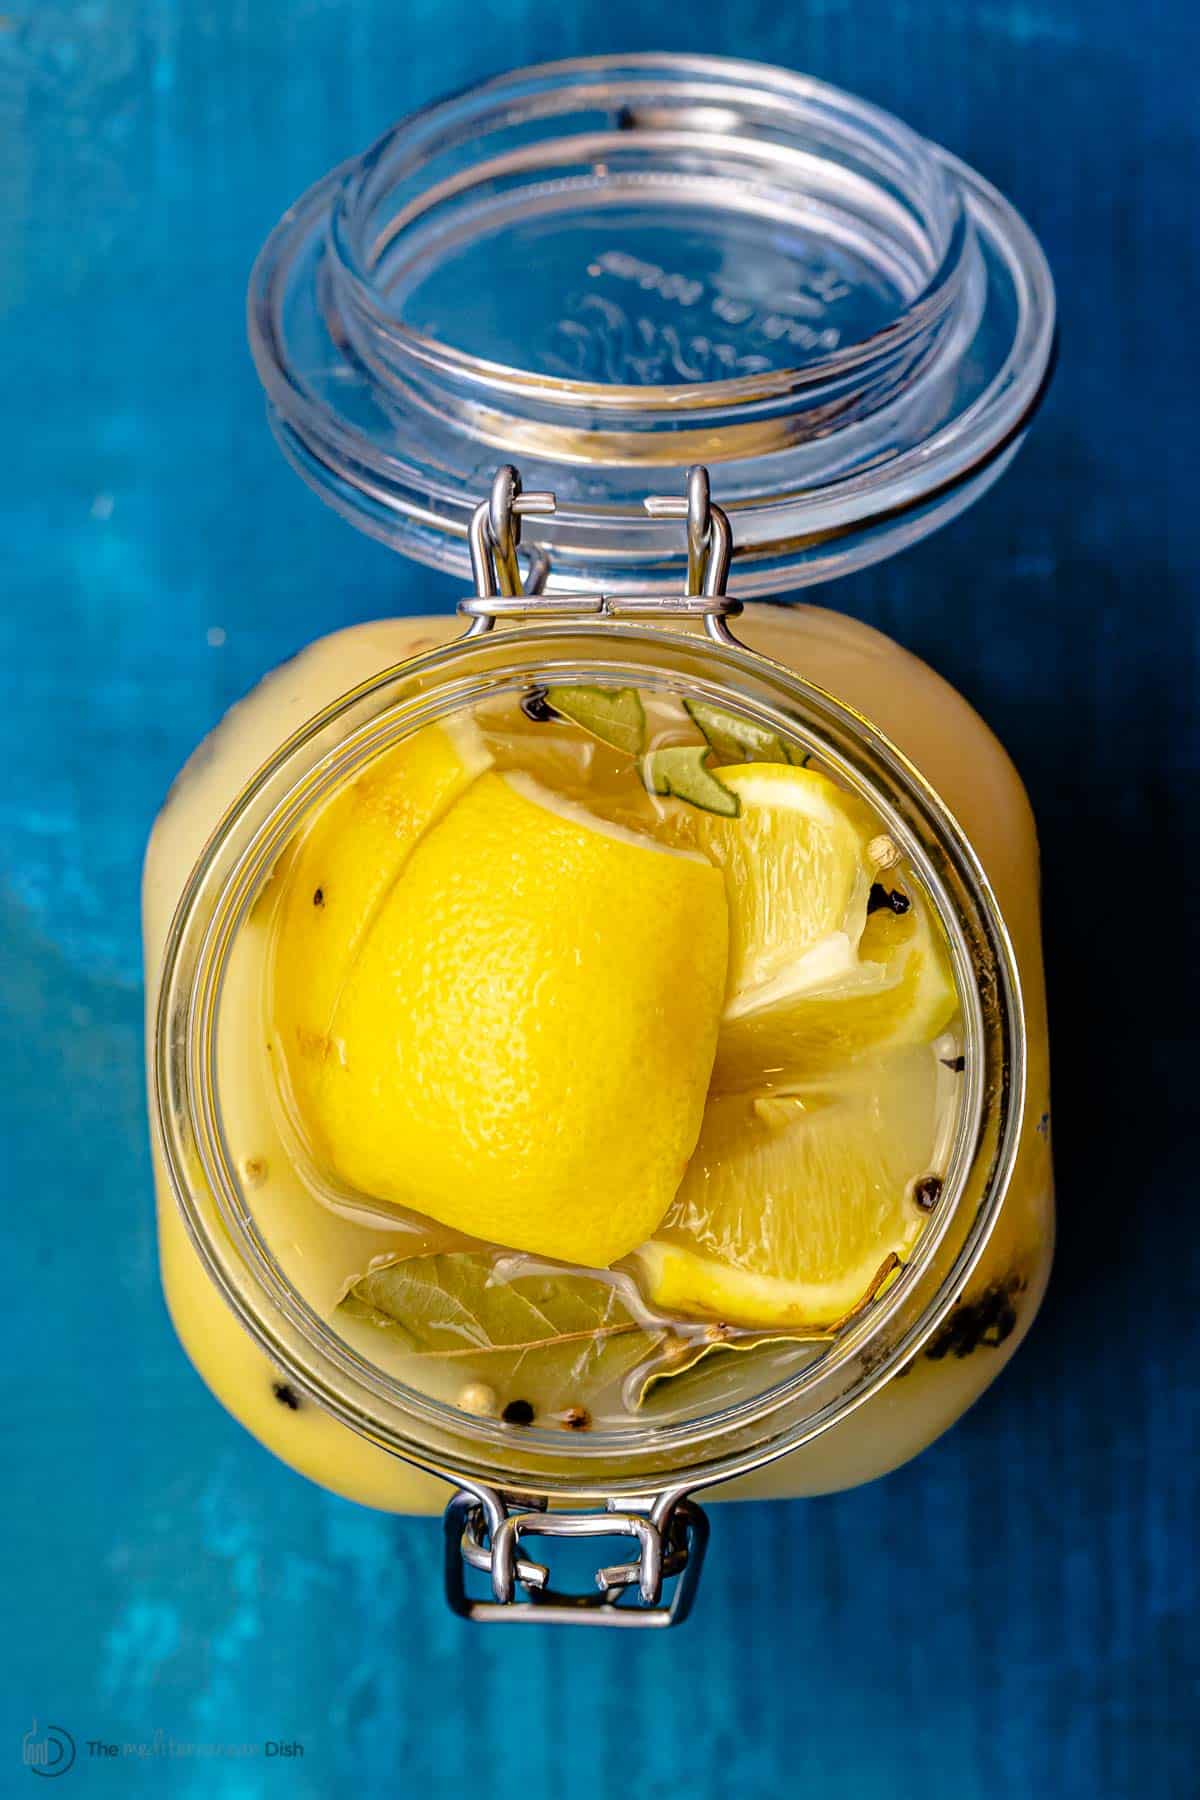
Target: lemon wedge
x=796 y=1205
x=522 y=1047
x=835 y=1004
x=339 y=874
x=814 y=981
x=794 y=863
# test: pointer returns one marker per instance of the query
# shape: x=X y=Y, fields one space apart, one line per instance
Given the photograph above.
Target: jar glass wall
x=272 y=1384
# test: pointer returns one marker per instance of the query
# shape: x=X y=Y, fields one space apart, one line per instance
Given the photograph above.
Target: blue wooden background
x=1013 y=1615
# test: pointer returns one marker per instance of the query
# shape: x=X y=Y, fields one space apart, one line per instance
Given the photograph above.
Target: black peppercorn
x=518 y=1412
x=286 y=1395
x=955 y=1063
x=879 y=897
x=987 y=1321
x=927 y=1192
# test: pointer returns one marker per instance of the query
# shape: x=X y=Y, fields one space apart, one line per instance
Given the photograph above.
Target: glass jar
x=850 y=411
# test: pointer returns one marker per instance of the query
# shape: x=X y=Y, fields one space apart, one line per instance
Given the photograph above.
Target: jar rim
x=857 y=328
x=232 y=870
x=356 y=259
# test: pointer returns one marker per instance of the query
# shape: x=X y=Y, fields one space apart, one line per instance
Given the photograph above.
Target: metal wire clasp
x=709 y=538
x=484 y=1531
x=495 y=533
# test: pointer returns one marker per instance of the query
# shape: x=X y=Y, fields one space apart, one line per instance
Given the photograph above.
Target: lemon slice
x=523 y=1045
x=795 y=1206
x=340 y=872
x=835 y=1005
x=794 y=863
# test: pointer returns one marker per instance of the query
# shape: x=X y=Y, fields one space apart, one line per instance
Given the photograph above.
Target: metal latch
x=484 y=1530
x=500 y=593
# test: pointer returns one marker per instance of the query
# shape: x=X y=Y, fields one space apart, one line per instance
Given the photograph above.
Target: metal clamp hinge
x=500 y=592
x=484 y=1531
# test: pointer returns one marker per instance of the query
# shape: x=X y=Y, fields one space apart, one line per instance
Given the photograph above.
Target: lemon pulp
x=795 y=1204
x=835 y=1006
x=799 y=1196
x=794 y=866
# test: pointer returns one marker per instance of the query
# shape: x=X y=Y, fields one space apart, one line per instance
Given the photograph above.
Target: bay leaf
x=553 y=1339
x=680 y=1356
x=683 y=770
x=614 y=715
x=712 y=1354
x=739 y=740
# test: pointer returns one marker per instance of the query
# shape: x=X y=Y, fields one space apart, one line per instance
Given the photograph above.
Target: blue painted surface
x=1015 y=1613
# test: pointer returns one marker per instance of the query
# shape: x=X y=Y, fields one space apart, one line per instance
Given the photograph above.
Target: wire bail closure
x=484 y=1529
x=500 y=592
x=709 y=538
x=495 y=533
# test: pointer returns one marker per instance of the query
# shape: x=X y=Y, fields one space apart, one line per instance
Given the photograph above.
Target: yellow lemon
x=522 y=1047
x=814 y=982
x=834 y=1005
x=794 y=861
x=339 y=873
x=795 y=1206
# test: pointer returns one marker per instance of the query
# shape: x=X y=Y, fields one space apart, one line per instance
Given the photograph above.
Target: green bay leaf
x=682 y=770
x=614 y=715
x=553 y=1339
x=740 y=740
x=714 y=1355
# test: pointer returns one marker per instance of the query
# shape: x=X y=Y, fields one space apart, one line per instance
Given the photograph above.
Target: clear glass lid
x=613 y=268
